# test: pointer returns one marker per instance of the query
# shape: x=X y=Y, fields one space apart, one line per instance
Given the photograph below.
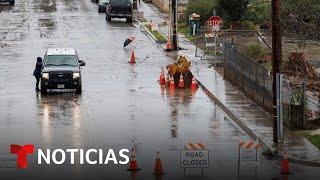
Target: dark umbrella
x=128 y=41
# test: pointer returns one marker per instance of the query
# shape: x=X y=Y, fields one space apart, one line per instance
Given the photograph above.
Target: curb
x=235 y=118
x=250 y=132
x=150 y=35
x=154 y=39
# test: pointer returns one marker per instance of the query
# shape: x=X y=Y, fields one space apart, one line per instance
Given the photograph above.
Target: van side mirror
x=82 y=63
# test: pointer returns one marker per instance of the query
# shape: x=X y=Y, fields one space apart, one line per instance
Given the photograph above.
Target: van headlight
x=45 y=75
x=76 y=75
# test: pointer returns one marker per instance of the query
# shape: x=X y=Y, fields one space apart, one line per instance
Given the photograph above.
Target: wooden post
x=174 y=21
x=276 y=61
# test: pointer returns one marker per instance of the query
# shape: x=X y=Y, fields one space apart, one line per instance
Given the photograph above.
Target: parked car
x=61 y=70
x=119 y=9
x=11 y=2
x=103 y=6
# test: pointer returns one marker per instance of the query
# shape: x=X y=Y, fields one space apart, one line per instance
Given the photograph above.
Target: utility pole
x=174 y=24
x=276 y=61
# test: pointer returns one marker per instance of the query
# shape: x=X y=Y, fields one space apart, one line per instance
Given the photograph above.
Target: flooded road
x=122 y=105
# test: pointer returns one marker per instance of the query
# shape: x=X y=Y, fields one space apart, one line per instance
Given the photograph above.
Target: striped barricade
x=196 y=146
x=210 y=39
x=209 y=35
x=249 y=145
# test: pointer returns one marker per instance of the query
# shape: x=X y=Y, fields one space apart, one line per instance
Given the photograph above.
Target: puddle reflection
x=179 y=100
x=60 y=117
x=5 y=7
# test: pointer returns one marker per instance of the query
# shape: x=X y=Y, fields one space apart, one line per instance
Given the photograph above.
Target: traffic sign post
x=214 y=23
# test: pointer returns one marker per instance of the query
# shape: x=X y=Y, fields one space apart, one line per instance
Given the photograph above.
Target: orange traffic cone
x=181 y=82
x=172 y=86
x=133 y=162
x=158 y=171
x=194 y=84
x=285 y=164
x=162 y=79
x=133 y=58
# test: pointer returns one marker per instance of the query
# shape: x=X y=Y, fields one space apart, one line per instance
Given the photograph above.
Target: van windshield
x=61 y=60
x=104 y=1
x=120 y=2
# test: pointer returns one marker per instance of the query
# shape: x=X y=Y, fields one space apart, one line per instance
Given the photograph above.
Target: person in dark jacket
x=37 y=71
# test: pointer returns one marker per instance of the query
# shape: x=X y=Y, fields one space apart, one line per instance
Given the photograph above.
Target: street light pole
x=174 y=22
x=276 y=61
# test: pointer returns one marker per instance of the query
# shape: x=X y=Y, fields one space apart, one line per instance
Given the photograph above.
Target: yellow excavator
x=181 y=67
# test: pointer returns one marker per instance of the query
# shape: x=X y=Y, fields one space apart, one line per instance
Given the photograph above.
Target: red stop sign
x=214 y=21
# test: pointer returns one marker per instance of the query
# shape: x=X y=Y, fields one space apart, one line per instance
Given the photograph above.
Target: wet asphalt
x=122 y=105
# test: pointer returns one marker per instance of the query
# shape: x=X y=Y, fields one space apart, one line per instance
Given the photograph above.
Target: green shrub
x=255 y=51
x=260 y=13
x=232 y=11
x=247 y=25
x=301 y=18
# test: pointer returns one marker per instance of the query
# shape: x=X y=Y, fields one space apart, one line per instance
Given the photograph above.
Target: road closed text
x=195 y=162
x=194 y=158
x=81 y=156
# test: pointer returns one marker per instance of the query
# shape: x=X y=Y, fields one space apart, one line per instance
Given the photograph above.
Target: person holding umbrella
x=37 y=72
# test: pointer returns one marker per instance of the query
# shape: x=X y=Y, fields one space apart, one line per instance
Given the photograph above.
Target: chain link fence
x=255 y=81
x=252 y=78
x=293 y=105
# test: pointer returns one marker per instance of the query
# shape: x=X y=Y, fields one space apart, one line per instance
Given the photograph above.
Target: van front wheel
x=129 y=20
x=79 y=90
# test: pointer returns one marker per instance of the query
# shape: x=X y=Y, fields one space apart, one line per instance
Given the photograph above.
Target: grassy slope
x=314 y=140
x=159 y=36
x=156 y=34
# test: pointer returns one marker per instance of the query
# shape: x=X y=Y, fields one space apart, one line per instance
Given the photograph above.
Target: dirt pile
x=298 y=69
x=298 y=66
